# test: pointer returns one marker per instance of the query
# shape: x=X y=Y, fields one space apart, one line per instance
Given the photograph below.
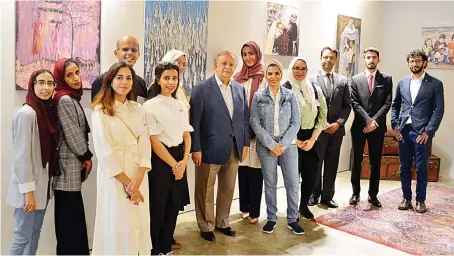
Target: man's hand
x=332 y=128
x=422 y=138
x=371 y=126
x=245 y=152
x=397 y=134
x=197 y=158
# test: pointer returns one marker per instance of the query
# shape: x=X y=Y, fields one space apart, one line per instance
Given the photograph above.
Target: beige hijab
x=303 y=89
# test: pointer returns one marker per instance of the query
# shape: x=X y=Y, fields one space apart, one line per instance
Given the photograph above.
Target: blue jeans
x=409 y=149
x=27 y=232
x=288 y=162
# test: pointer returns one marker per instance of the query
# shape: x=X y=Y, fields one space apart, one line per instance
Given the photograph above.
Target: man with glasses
x=220 y=118
x=127 y=51
x=337 y=94
x=371 y=101
x=416 y=114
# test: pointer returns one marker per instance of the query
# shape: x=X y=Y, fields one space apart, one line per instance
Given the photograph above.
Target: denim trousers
x=288 y=162
x=27 y=232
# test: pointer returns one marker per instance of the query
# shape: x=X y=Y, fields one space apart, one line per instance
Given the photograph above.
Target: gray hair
x=223 y=53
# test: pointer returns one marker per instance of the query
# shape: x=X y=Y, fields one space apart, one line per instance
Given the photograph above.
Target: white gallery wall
x=230 y=24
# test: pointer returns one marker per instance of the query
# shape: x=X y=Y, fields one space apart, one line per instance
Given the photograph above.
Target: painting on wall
x=47 y=31
x=348 y=42
x=181 y=25
x=282 y=35
x=438 y=44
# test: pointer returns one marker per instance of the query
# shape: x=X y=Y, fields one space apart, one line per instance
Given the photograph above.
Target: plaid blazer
x=72 y=144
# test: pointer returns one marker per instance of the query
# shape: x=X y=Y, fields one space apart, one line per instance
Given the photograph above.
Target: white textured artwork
x=181 y=25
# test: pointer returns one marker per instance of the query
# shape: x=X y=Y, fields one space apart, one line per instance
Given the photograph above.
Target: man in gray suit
x=337 y=93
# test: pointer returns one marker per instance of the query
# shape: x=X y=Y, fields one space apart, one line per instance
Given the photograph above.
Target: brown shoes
x=405 y=205
x=421 y=207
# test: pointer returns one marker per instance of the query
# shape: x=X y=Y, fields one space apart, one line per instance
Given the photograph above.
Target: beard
x=416 y=70
x=371 y=65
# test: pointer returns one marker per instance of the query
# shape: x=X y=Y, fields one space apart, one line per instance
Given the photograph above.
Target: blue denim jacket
x=262 y=117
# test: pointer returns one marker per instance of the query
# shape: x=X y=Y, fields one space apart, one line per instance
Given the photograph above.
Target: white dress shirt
x=276 y=99
x=167 y=117
x=415 y=84
x=226 y=91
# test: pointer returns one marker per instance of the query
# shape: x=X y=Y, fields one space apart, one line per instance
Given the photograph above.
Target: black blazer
x=339 y=103
x=371 y=106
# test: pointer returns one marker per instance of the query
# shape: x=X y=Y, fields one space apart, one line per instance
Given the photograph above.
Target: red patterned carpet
x=408 y=231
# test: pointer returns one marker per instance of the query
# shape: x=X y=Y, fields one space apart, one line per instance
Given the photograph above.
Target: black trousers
x=330 y=145
x=308 y=163
x=70 y=225
x=166 y=197
x=375 y=141
x=250 y=182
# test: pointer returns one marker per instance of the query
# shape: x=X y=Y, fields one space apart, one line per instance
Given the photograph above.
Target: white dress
x=121 y=228
x=252 y=159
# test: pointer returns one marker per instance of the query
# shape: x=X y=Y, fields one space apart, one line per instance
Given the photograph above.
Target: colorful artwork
x=181 y=25
x=282 y=35
x=348 y=37
x=47 y=31
x=438 y=44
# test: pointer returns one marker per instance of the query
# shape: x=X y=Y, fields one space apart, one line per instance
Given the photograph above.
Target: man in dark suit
x=337 y=93
x=127 y=51
x=220 y=118
x=416 y=114
x=371 y=101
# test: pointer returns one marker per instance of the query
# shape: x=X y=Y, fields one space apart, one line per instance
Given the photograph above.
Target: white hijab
x=302 y=88
x=173 y=54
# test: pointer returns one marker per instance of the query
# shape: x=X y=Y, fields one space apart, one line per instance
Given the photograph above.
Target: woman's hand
x=134 y=185
x=30 y=202
x=180 y=168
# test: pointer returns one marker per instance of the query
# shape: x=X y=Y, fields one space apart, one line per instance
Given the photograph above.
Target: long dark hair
x=155 y=89
x=106 y=96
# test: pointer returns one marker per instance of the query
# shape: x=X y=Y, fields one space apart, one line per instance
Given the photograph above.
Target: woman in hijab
x=250 y=177
x=275 y=119
x=35 y=161
x=180 y=58
x=313 y=111
x=75 y=160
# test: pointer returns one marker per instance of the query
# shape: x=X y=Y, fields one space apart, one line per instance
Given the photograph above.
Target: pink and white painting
x=47 y=31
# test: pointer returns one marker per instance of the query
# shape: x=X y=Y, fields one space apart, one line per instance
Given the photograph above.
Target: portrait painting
x=348 y=44
x=282 y=35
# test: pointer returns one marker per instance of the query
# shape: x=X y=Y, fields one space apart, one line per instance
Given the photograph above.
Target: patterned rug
x=408 y=231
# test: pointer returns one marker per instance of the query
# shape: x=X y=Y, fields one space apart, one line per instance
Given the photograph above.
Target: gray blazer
x=339 y=103
x=27 y=173
x=72 y=144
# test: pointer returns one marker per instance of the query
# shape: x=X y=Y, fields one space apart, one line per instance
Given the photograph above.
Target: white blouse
x=168 y=119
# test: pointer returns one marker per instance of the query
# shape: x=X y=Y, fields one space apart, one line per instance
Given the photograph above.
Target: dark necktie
x=329 y=85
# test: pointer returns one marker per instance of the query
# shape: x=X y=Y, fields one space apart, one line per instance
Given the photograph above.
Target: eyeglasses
x=126 y=49
x=42 y=83
x=415 y=61
x=179 y=62
x=300 y=68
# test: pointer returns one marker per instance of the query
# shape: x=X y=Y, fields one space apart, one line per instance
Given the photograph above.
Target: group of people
x=247 y=123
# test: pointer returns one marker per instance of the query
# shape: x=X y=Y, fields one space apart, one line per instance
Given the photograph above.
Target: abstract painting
x=181 y=25
x=438 y=44
x=282 y=35
x=348 y=37
x=47 y=31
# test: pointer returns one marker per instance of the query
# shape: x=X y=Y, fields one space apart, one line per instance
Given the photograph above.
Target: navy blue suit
x=426 y=113
x=221 y=139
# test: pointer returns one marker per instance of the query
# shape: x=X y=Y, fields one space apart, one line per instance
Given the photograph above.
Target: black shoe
x=312 y=201
x=374 y=201
x=209 y=236
x=269 y=227
x=296 y=228
x=306 y=213
x=420 y=207
x=354 y=199
x=405 y=205
x=330 y=204
x=227 y=231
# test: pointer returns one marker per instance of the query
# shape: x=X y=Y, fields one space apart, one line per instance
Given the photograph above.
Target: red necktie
x=370 y=83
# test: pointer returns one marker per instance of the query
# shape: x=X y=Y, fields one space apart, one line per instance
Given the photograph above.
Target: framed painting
x=438 y=44
x=348 y=44
x=282 y=35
